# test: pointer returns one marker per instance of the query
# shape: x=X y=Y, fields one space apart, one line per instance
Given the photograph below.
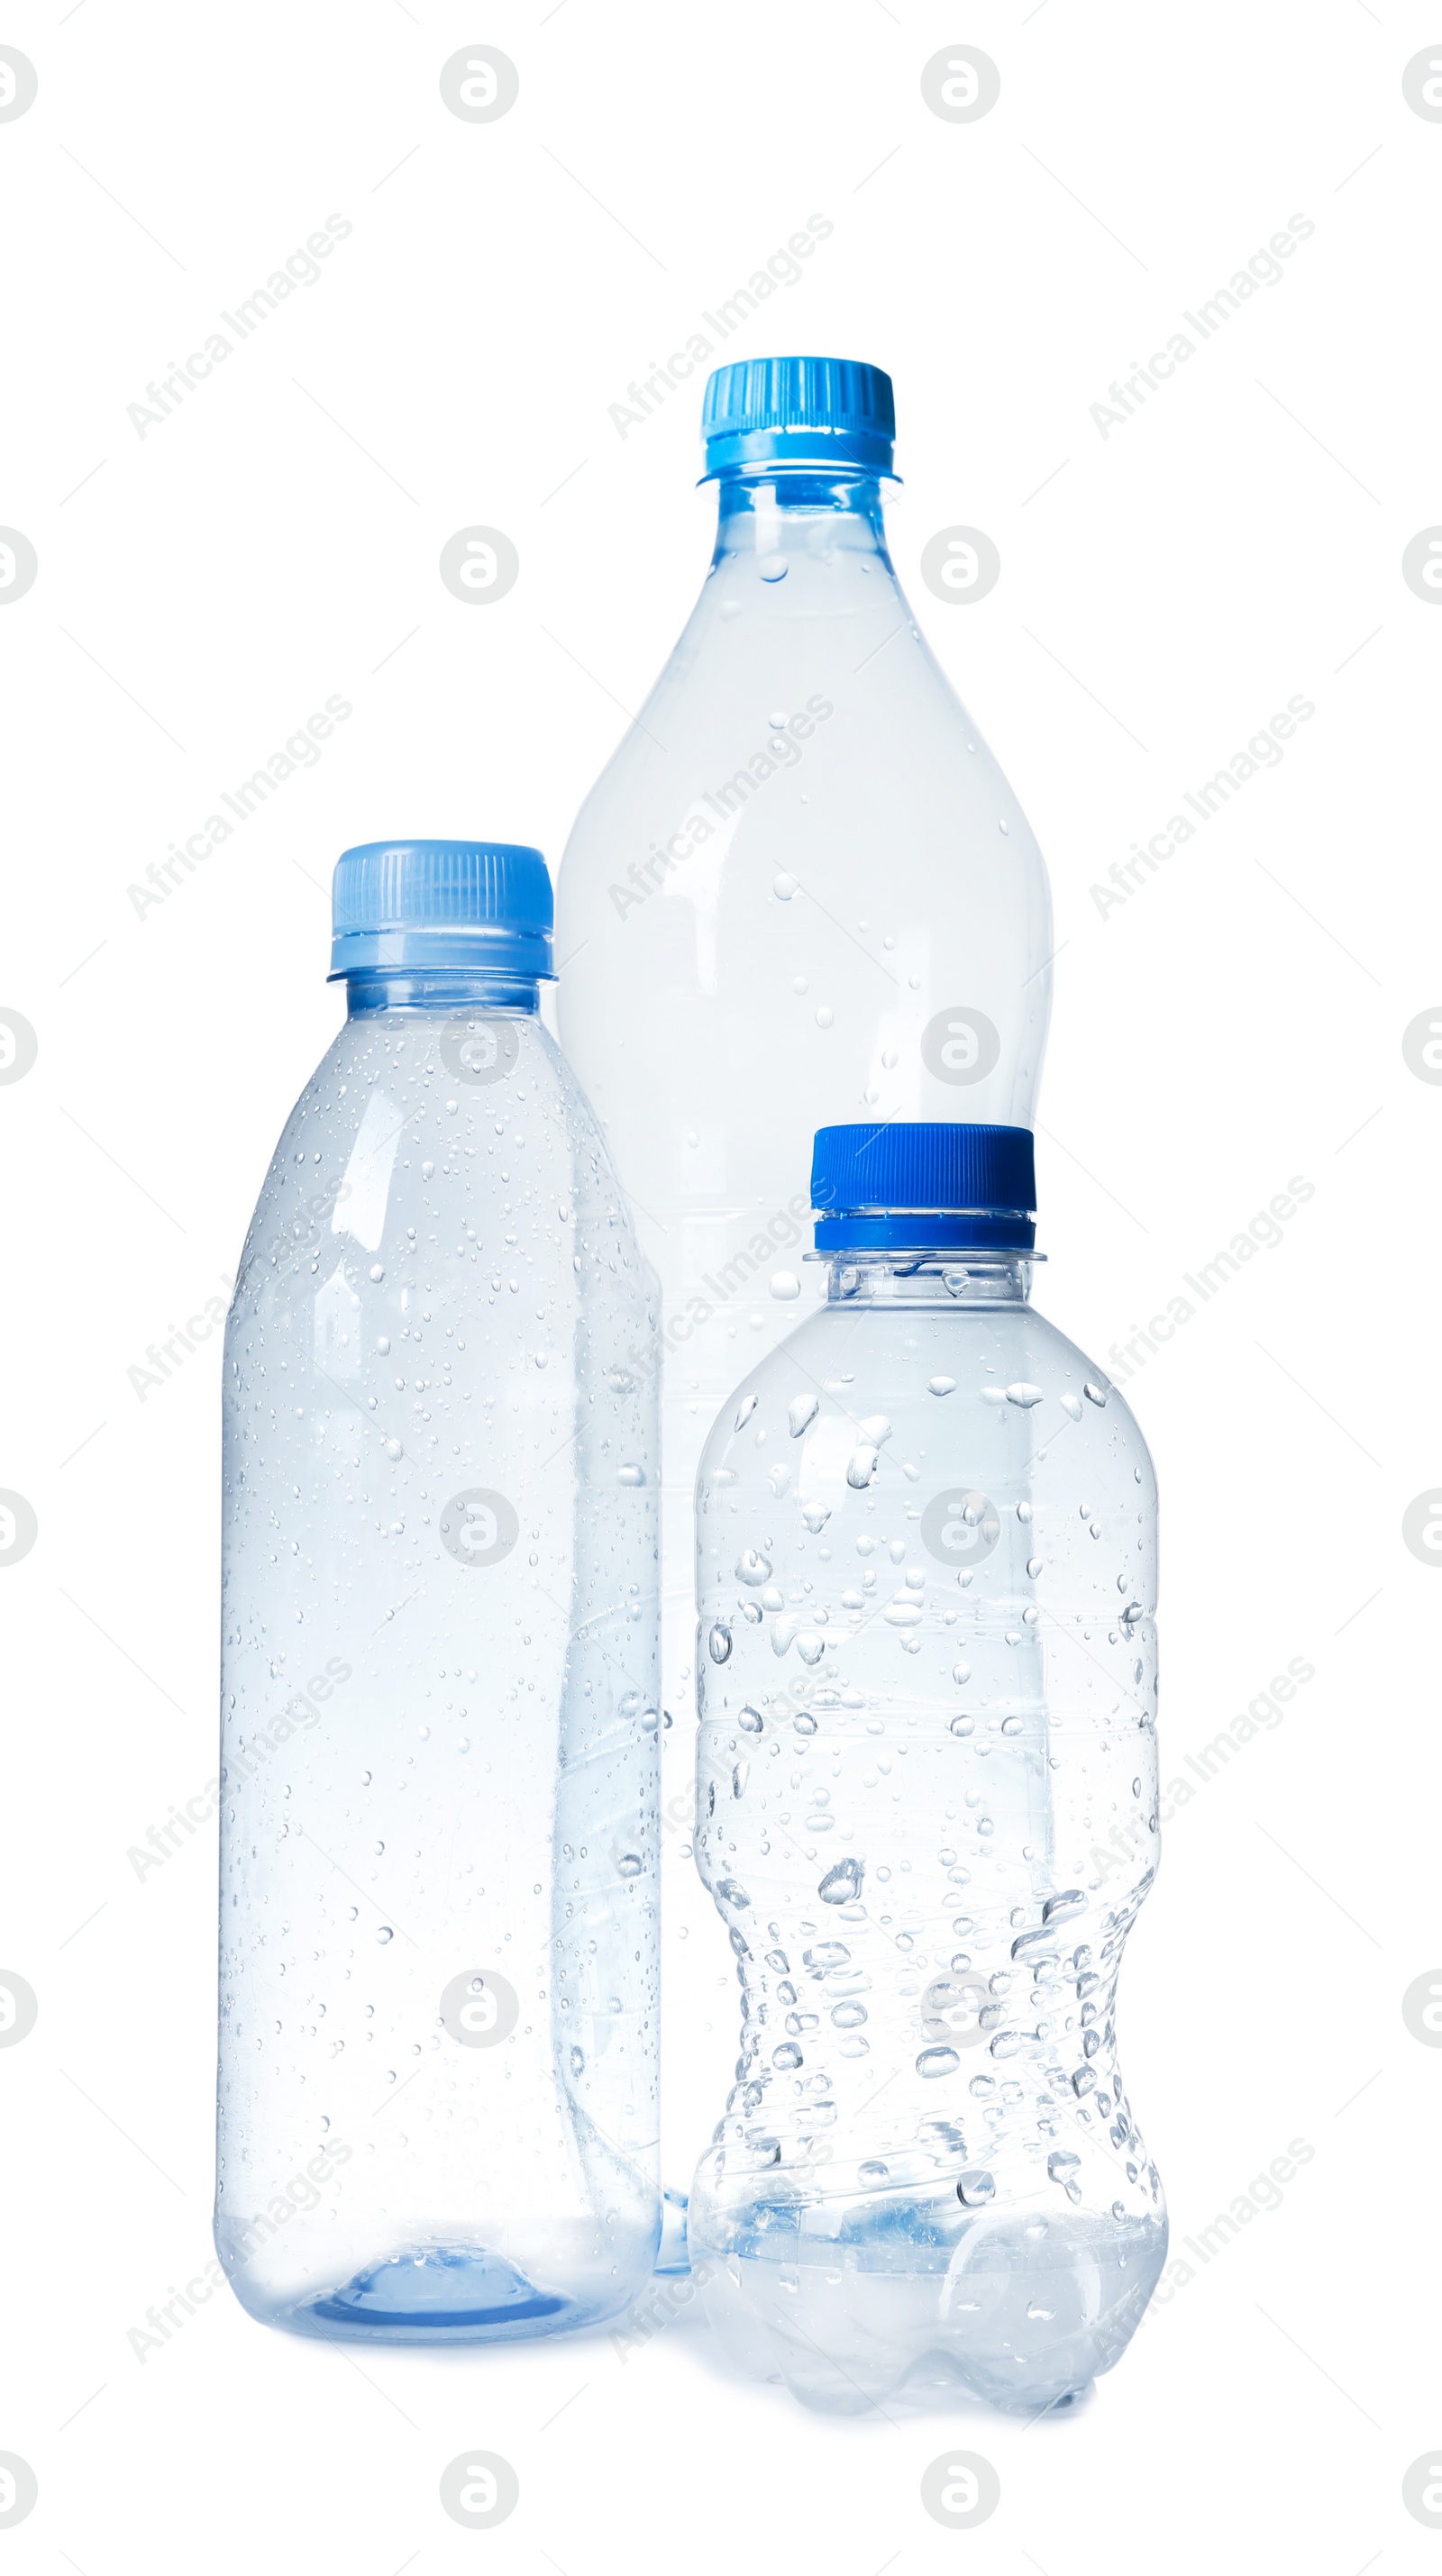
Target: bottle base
x=1026 y=2314
x=434 y=2295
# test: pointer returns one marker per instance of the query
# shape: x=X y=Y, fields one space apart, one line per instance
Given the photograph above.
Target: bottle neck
x=440 y=989
x=931 y=1279
x=772 y=512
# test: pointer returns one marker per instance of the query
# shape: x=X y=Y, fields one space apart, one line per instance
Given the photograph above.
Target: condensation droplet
x=937 y=2061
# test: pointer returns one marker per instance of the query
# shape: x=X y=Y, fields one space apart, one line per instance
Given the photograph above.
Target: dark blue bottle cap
x=818 y=412
x=910 y=1185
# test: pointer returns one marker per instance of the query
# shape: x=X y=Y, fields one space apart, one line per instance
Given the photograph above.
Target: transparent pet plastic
x=438 y=1955
x=927 y=1813
x=801 y=891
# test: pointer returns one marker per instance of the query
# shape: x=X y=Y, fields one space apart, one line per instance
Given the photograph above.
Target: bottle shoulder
x=924 y=1384
x=756 y=682
x=433 y=1138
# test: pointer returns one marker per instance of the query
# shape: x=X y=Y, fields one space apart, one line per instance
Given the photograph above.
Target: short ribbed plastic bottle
x=927 y=1807
x=438 y=1950
x=801 y=890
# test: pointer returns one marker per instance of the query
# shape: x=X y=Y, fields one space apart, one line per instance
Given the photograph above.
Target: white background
x=1238 y=1021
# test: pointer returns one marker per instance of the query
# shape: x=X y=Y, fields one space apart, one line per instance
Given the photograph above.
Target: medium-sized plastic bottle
x=927 y=1806
x=438 y=1945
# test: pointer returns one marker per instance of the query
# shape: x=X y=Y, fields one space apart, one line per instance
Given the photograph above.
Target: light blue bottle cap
x=482 y=906
x=825 y=412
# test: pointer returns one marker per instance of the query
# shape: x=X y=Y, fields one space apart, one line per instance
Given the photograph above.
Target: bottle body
x=438 y=1959
x=927 y=1813
x=801 y=891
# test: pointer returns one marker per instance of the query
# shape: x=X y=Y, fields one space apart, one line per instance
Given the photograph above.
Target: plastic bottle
x=438 y=1953
x=927 y=1806
x=801 y=889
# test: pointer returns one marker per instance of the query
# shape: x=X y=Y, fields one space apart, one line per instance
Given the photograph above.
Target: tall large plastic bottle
x=927 y=1807
x=801 y=890
x=439 y=1766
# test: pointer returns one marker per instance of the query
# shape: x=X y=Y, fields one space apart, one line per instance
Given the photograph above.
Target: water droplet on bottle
x=1094 y=1394
x=941 y=1386
x=963 y=1726
x=385 y=1934
x=860 y=1468
x=784 y=1286
x=961 y=1672
x=745 y=1410
x=752 y=1566
x=841 y=1885
x=749 y=1721
x=394 y=1449
x=630 y=1473
x=1024 y=1394
x=578 y=2061
x=786 y=2057
x=383 y=1344
x=825 y=1017
x=772 y=567
x=937 y=2061
x=741 y=1773
x=783 y=886
x=976 y=2188
x=1072 y=1404
x=377 y=1270
x=801 y=1413
x=718 y=1644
